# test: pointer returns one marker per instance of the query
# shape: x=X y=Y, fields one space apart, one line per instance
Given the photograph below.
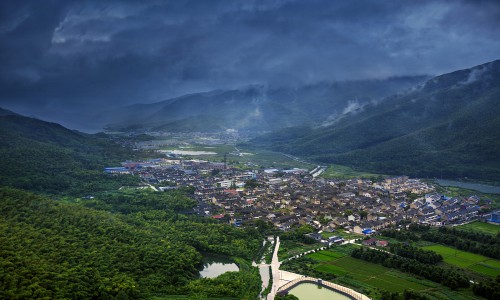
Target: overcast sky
x=62 y=58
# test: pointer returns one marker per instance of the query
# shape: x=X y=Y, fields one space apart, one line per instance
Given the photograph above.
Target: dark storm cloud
x=59 y=57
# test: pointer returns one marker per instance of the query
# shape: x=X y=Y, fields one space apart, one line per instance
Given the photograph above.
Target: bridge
x=283 y=281
x=335 y=287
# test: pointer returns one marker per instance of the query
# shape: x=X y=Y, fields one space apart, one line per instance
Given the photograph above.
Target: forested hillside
x=448 y=127
x=52 y=250
x=46 y=157
x=118 y=244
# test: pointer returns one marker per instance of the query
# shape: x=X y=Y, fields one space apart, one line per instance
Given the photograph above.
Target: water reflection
x=311 y=291
x=214 y=266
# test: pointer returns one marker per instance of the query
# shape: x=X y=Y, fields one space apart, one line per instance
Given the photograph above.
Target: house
x=495 y=217
x=381 y=243
x=117 y=170
x=315 y=236
x=335 y=240
x=370 y=242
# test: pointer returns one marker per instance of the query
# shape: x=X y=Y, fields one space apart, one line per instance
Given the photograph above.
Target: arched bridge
x=335 y=287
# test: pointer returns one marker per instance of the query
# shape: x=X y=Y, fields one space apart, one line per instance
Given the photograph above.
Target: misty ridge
x=257 y=108
x=69 y=62
x=445 y=127
x=334 y=81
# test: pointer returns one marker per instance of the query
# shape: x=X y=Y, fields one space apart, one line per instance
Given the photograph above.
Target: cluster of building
x=287 y=198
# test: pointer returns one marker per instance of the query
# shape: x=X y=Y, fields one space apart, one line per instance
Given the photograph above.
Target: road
x=275 y=268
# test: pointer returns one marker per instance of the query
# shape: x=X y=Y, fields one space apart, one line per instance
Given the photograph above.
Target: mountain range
x=448 y=126
x=255 y=108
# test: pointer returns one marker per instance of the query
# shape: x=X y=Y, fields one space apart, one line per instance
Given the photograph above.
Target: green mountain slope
x=448 y=127
x=46 y=157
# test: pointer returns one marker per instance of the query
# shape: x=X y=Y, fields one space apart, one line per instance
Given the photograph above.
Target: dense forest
x=420 y=255
x=54 y=250
x=46 y=157
x=117 y=244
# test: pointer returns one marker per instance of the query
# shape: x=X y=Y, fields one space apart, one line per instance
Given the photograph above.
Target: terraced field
x=475 y=262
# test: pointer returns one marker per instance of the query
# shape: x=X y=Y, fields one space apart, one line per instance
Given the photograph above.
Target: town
x=292 y=197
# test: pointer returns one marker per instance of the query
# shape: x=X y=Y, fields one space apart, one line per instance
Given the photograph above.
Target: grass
x=266 y=158
x=368 y=277
x=325 y=255
x=331 y=269
x=292 y=248
x=342 y=233
x=375 y=275
x=258 y=158
x=481 y=226
x=474 y=262
x=344 y=172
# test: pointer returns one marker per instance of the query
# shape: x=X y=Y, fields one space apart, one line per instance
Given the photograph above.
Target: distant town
x=292 y=197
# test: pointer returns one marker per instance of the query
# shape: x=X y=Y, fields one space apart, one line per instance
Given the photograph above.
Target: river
x=483 y=188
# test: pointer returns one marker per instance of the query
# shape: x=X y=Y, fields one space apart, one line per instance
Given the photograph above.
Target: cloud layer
x=64 y=58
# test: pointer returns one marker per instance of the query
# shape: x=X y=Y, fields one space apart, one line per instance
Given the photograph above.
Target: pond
x=483 y=188
x=311 y=291
x=214 y=266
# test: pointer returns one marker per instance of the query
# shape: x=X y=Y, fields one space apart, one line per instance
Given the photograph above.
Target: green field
x=374 y=275
x=266 y=158
x=291 y=248
x=257 y=158
x=341 y=232
x=344 y=172
x=325 y=255
x=481 y=226
x=475 y=262
x=368 y=276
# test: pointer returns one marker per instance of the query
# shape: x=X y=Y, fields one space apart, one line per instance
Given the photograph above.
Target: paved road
x=275 y=267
